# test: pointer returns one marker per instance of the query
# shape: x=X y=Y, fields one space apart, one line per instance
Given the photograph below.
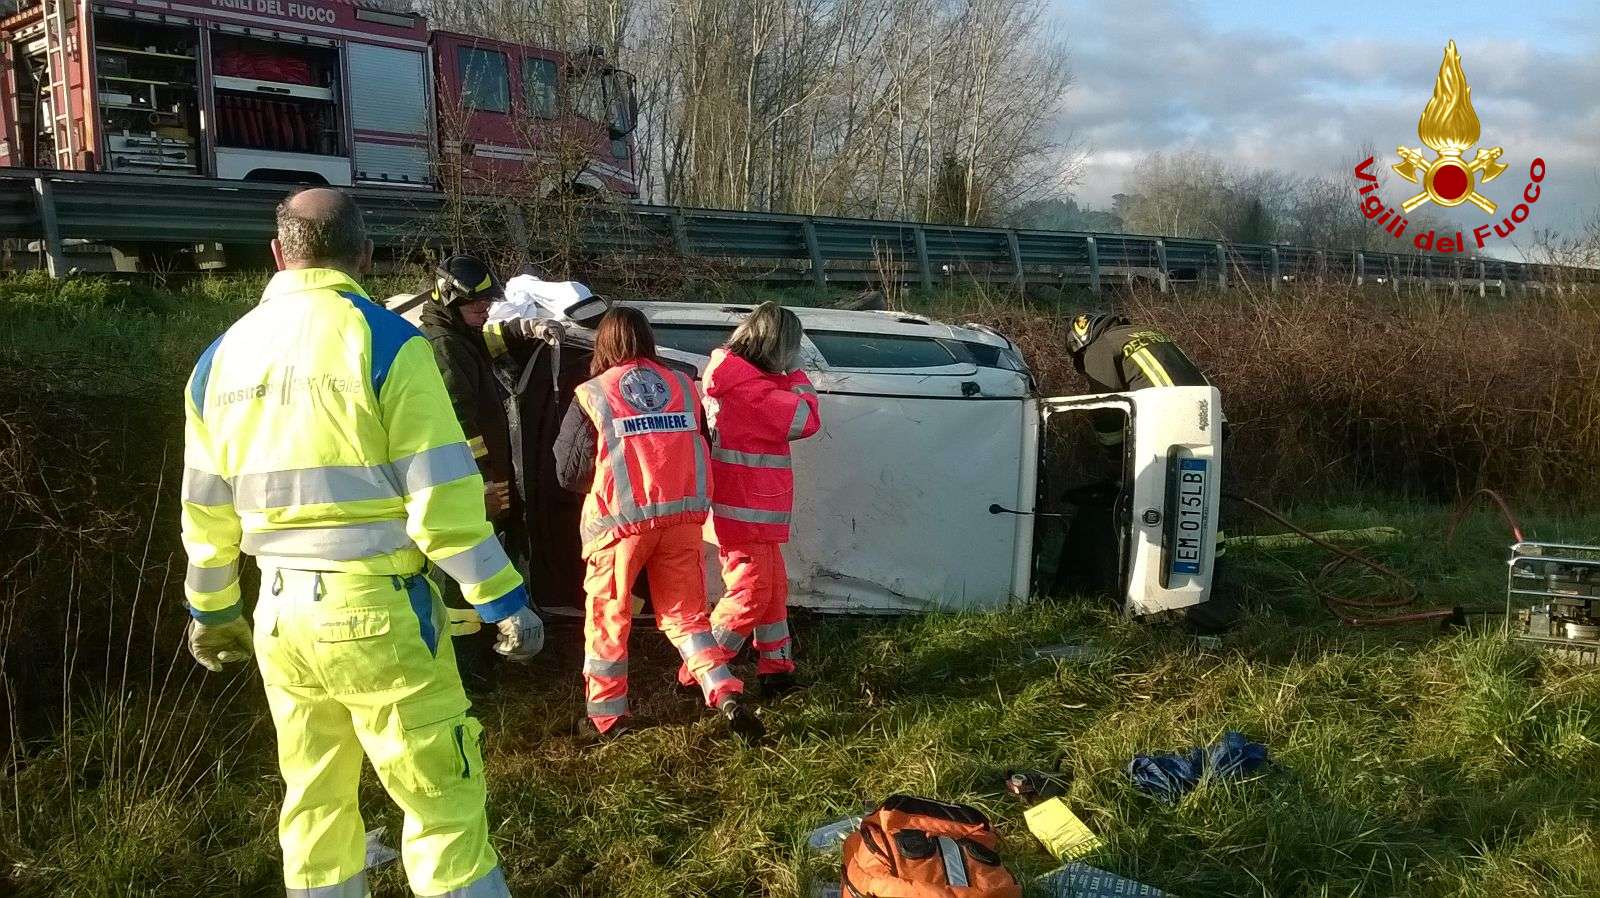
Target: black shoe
x=588 y=735
x=742 y=721
x=775 y=685
x=689 y=691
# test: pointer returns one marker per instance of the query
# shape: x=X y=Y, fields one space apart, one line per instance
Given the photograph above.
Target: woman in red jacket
x=631 y=442
x=757 y=401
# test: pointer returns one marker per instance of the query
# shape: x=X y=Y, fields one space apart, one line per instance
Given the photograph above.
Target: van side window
x=696 y=338
x=539 y=84
x=485 y=81
x=852 y=350
x=987 y=356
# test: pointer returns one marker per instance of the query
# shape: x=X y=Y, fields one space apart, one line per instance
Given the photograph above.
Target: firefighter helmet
x=1087 y=327
x=464 y=279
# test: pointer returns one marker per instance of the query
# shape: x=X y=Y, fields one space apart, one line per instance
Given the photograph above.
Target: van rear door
x=1165 y=507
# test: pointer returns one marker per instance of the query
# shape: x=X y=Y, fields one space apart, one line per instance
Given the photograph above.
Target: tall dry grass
x=110 y=735
x=1332 y=389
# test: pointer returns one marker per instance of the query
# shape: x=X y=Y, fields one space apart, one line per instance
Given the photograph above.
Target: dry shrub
x=1331 y=390
x=541 y=222
x=72 y=480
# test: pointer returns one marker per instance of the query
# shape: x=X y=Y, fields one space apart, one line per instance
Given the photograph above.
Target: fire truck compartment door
x=389 y=102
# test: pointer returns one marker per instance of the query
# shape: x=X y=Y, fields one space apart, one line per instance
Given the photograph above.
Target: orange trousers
x=755 y=604
x=671 y=557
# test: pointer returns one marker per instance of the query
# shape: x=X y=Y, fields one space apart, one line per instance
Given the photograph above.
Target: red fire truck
x=334 y=92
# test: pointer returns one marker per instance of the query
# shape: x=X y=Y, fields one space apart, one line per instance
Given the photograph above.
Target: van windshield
x=696 y=338
x=842 y=349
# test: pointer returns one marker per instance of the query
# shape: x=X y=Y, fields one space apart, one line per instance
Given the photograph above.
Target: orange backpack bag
x=919 y=848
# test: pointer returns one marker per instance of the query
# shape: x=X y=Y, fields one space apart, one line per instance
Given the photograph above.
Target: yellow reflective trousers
x=359 y=664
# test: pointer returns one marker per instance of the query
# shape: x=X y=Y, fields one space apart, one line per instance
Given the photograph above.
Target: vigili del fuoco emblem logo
x=1449 y=127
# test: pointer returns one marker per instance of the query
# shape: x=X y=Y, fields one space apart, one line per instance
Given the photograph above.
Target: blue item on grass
x=1168 y=776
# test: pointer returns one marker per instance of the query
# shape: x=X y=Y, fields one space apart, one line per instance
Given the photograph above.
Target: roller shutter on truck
x=389 y=112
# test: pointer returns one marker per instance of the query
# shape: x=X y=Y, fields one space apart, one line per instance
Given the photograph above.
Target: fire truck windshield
x=589 y=94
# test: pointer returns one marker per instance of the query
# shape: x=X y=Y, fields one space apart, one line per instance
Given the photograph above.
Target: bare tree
x=1578 y=247
x=884 y=108
x=1194 y=194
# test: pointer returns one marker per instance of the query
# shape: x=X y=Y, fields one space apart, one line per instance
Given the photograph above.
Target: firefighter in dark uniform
x=1117 y=356
x=470 y=356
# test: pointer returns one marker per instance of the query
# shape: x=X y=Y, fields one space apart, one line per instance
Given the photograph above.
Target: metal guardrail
x=55 y=208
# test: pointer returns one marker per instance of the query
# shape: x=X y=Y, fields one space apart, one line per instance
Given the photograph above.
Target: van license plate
x=1189 y=524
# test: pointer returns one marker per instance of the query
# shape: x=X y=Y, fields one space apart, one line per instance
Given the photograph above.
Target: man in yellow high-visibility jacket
x=321 y=441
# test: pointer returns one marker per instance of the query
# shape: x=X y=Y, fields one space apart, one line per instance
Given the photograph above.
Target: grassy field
x=1410 y=761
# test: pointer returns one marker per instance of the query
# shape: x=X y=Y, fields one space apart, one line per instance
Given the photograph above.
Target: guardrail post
x=924 y=267
x=1016 y=260
x=1093 y=249
x=1274 y=268
x=819 y=274
x=44 y=195
x=1161 y=265
x=1222 y=267
x=1483 y=288
x=1361 y=268
x=680 y=232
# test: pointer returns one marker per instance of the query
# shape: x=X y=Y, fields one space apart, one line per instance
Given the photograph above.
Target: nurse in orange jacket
x=632 y=441
x=757 y=402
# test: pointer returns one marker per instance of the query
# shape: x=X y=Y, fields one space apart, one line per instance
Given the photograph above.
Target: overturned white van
x=934 y=462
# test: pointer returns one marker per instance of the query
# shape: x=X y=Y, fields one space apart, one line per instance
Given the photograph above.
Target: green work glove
x=214 y=645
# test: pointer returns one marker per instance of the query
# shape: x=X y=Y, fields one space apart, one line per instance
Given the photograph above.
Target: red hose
x=1409 y=618
x=1466 y=507
x=1341 y=606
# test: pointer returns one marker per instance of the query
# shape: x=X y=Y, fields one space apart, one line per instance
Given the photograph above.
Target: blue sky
x=1302 y=86
x=1551 y=24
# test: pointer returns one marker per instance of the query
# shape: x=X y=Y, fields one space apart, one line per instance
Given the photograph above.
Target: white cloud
x=1154 y=75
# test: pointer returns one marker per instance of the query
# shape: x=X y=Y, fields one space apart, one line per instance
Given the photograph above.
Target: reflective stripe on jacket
x=652 y=467
x=754 y=416
x=319 y=437
x=1135 y=357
